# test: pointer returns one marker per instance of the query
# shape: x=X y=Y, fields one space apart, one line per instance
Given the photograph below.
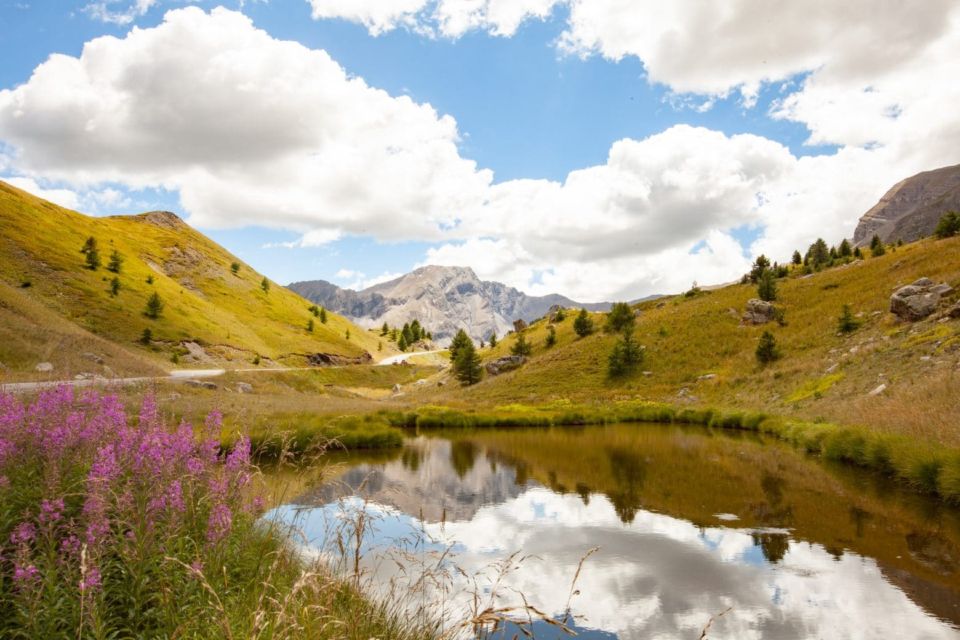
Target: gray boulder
x=244 y=387
x=918 y=300
x=92 y=357
x=502 y=365
x=44 y=367
x=759 y=312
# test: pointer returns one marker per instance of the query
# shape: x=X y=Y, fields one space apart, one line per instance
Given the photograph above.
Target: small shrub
x=235 y=268
x=115 y=286
x=256 y=360
x=154 y=307
x=948 y=226
x=583 y=324
x=619 y=318
x=521 y=347
x=551 y=337
x=846 y=323
x=767 y=349
x=767 y=287
x=626 y=355
x=146 y=337
x=116 y=262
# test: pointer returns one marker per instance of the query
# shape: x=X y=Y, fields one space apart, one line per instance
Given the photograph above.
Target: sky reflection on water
x=654 y=575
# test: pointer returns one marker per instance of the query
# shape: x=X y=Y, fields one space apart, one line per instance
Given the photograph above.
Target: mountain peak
x=164 y=219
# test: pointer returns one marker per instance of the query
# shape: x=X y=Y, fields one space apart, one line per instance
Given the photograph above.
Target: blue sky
x=525 y=109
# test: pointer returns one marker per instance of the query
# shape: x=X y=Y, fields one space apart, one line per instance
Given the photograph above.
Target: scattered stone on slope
x=44 y=367
x=759 y=312
x=502 y=365
x=333 y=359
x=92 y=357
x=519 y=325
x=200 y=384
x=954 y=311
x=244 y=387
x=878 y=390
x=918 y=300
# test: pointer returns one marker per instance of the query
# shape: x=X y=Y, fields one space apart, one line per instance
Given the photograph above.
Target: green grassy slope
x=687 y=338
x=205 y=303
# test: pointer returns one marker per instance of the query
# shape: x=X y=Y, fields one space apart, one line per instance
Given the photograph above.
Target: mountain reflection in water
x=688 y=523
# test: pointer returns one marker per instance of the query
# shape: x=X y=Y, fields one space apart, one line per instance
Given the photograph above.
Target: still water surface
x=688 y=524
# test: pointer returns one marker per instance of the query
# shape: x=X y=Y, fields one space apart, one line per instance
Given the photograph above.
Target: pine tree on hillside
x=760 y=265
x=91 y=254
x=797 y=258
x=466 y=365
x=583 y=324
x=265 y=285
x=626 y=355
x=310 y=325
x=235 y=268
x=620 y=317
x=493 y=339
x=402 y=343
x=115 y=286
x=116 y=262
x=323 y=315
x=948 y=226
x=767 y=350
x=877 y=247
x=818 y=255
x=845 y=249
x=459 y=341
x=416 y=330
x=767 y=288
x=551 y=336
x=521 y=347
x=385 y=329
x=847 y=323
x=154 y=306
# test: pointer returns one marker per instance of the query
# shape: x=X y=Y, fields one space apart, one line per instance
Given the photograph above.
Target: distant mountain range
x=443 y=299
x=911 y=208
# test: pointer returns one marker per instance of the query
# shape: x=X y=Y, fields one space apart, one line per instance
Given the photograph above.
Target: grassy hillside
x=227 y=315
x=699 y=353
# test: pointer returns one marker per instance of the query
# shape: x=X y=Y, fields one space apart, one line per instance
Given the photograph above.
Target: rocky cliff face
x=912 y=208
x=443 y=299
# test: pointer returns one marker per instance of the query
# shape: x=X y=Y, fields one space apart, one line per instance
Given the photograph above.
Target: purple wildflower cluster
x=85 y=488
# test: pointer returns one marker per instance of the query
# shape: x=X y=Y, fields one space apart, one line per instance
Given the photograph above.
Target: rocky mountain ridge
x=911 y=208
x=443 y=299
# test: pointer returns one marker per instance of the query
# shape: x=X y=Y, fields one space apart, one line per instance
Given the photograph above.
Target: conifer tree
x=551 y=336
x=466 y=364
x=493 y=339
x=116 y=262
x=91 y=254
x=767 y=350
x=154 y=306
x=310 y=325
x=583 y=324
x=948 y=226
x=877 y=247
x=265 y=285
x=626 y=355
x=115 y=286
x=459 y=340
x=760 y=265
x=767 y=288
x=235 y=268
x=521 y=347
x=846 y=323
x=620 y=317
x=385 y=329
x=402 y=343
x=323 y=315
x=797 y=258
x=845 y=249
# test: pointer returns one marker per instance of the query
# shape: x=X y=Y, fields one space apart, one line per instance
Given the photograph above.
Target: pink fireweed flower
x=25 y=574
x=91 y=580
x=51 y=511
x=23 y=533
x=219 y=523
